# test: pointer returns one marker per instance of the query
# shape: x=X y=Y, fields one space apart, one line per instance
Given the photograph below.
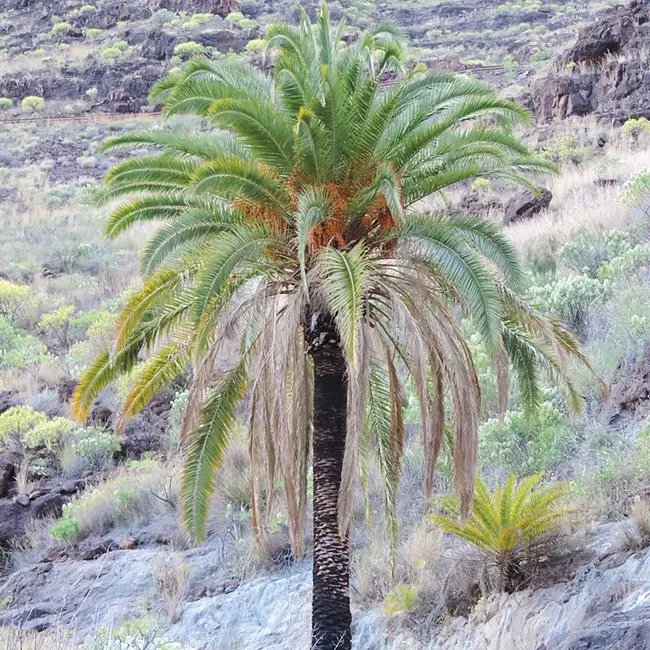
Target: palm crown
x=293 y=218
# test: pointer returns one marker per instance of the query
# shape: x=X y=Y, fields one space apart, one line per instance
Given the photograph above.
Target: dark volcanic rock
x=604 y=73
x=9 y=464
x=7 y=400
x=630 y=394
x=526 y=204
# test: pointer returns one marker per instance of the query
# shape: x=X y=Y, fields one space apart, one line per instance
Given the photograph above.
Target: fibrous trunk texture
x=331 y=616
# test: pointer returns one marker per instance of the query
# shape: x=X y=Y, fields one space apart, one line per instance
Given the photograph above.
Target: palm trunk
x=331 y=616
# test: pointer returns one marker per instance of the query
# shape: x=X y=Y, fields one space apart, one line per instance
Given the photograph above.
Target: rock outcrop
x=605 y=73
x=605 y=604
x=526 y=204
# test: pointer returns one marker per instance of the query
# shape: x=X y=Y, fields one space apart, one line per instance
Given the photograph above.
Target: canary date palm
x=294 y=264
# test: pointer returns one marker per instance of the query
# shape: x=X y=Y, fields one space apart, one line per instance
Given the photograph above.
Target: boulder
x=526 y=204
x=7 y=400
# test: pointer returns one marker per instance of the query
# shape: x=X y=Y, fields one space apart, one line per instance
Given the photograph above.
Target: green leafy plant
x=572 y=298
x=188 y=49
x=636 y=190
x=60 y=29
x=511 y=526
x=49 y=434
x=633 y=129
x=6 y=103
x=521 y=443
x=401 y=599
x=66 y=530
x=33 y=104
x=16 y=421
x=96 y=446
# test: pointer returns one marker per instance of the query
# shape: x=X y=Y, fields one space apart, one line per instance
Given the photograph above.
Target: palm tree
x=295 y=265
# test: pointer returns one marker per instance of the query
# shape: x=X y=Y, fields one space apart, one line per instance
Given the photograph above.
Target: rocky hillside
x=80 y=56
x=606 y=73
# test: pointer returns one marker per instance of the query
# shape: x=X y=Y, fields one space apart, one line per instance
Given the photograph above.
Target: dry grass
x=580 y=202
x=417 y=563
x=638 y=530
x=16 y=639
x=172 y=582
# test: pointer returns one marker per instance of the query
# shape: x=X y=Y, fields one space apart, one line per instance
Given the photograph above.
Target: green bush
x=111 y=53
x=19 y=350
x=239 y=20
x=122 y=46
x=401 y=599
x=566 y=150
x=198 y=19
x=637 y=189
x=16 y=421
x=92 y=32
x=539 y=56
x=6 y=103
x=189 y=49
x=162 y=16
x=96 y=446
x=586 y=252
x=623 y=267
x=60 y=29
x=55 y=325
x=66 y=530
x=571 y=298
x=633 y=129
x=33 y=104
x=256 y=45
x=49 y=434
x=521 y=444
x=16 y=302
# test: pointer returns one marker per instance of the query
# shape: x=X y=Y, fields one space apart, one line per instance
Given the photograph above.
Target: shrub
x=60 y=29
x=585 y=253
x=521 y=444
x=96 y=446
x=6 y=103
x=239 y=20
x=122 y=46
x=539 y=56
x=66 y=530
x=16 y=301
x=566 y=150
x=571 y=298
x=126 y=497
x=199 y=19
x=19 y=350
x=257 y=45
x=402 y=599
x=111 y=53
x=33 y=104
x=91 y=33
x=512 y=527
x=162 y=16
x=189 y=49
x=18 y=420
x=55 y=326
x=637 y=189
x=49 y=434
x=624 y=266
x=633 y=129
